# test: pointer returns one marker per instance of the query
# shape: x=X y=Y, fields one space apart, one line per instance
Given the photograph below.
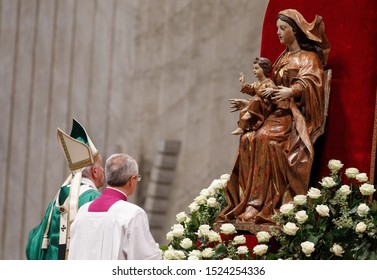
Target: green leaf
x=220 y=251
x=163 y=247
x=362 y=244
x=313 y=239
x=362 y=251
x=371 y=256
x=374 y=206
x=271 y=256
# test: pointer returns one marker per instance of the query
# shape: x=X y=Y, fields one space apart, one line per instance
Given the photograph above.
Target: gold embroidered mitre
x=78 y=149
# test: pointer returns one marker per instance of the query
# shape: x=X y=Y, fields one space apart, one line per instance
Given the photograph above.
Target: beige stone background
x=134 y=73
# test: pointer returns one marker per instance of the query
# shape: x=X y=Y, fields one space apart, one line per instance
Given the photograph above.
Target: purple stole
x=106 y=200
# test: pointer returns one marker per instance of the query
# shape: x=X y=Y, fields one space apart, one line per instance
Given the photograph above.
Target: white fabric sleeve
x=139 y=243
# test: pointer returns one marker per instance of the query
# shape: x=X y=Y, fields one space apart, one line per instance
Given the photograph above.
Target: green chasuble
x=34 y=249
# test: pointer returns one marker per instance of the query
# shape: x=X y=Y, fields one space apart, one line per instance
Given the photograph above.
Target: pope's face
x=285 y=33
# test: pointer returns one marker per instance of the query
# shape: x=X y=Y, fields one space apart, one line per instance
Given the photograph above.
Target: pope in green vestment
x=34 y=249
x=50 y=239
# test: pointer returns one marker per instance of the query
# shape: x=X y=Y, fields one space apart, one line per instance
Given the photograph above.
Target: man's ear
x=95 y=171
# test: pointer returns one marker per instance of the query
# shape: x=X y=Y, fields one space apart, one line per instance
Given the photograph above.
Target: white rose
x=178 y=230
x=212 y=202
x=227 y=259
x=344 y=190
x=186 y=243
x=194 y=207
x=205 y=192
x=224 y=180
x=169 y=254
x=242 y=250
x=213 y=236
x=200 y=200
x=217 y=184
x=196 y=253
x=227 y=229
x=212 y=190
x=179 y=255
x=172 y=254
x=170 y=236
x=290 y=228
x=225 y=177
x=207 y=253
x=367 y=189
x=181 y=217
x=362 y=209
x=300 y=199
x=223 y=184
x=203 y=230
x=361 y=227
x=239 y=239
x=286 y=209
x=260 y=249
x=307 y=248
x=263 y=236
x=362 y=177
x=301 y=216
x=337 y=250
x=328 y=182
x=352 y=172
x=193 y=258
x=323 y=210
x=314 y=193
x=334 y=165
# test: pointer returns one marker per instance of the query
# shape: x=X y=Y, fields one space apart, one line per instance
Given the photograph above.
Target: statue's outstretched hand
x=237 y=104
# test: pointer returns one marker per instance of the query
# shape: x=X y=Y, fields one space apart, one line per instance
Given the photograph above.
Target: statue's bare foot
x=238 y=131
x=248 y=215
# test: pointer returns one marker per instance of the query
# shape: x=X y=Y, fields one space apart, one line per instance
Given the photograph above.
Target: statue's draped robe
x=273 y=163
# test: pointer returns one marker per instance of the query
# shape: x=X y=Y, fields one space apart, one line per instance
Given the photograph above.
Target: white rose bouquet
x=335 y=220
x=193 y=237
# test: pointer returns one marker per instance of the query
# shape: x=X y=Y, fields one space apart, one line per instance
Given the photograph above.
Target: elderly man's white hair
x=119 y=169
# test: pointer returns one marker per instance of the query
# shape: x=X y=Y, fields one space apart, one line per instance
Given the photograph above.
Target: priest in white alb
x=110 y=227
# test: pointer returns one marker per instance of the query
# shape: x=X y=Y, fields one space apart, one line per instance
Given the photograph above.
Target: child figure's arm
x=245 y=87
x=248 y=89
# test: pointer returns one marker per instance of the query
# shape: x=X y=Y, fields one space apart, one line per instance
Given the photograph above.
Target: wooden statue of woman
x=273 y=163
